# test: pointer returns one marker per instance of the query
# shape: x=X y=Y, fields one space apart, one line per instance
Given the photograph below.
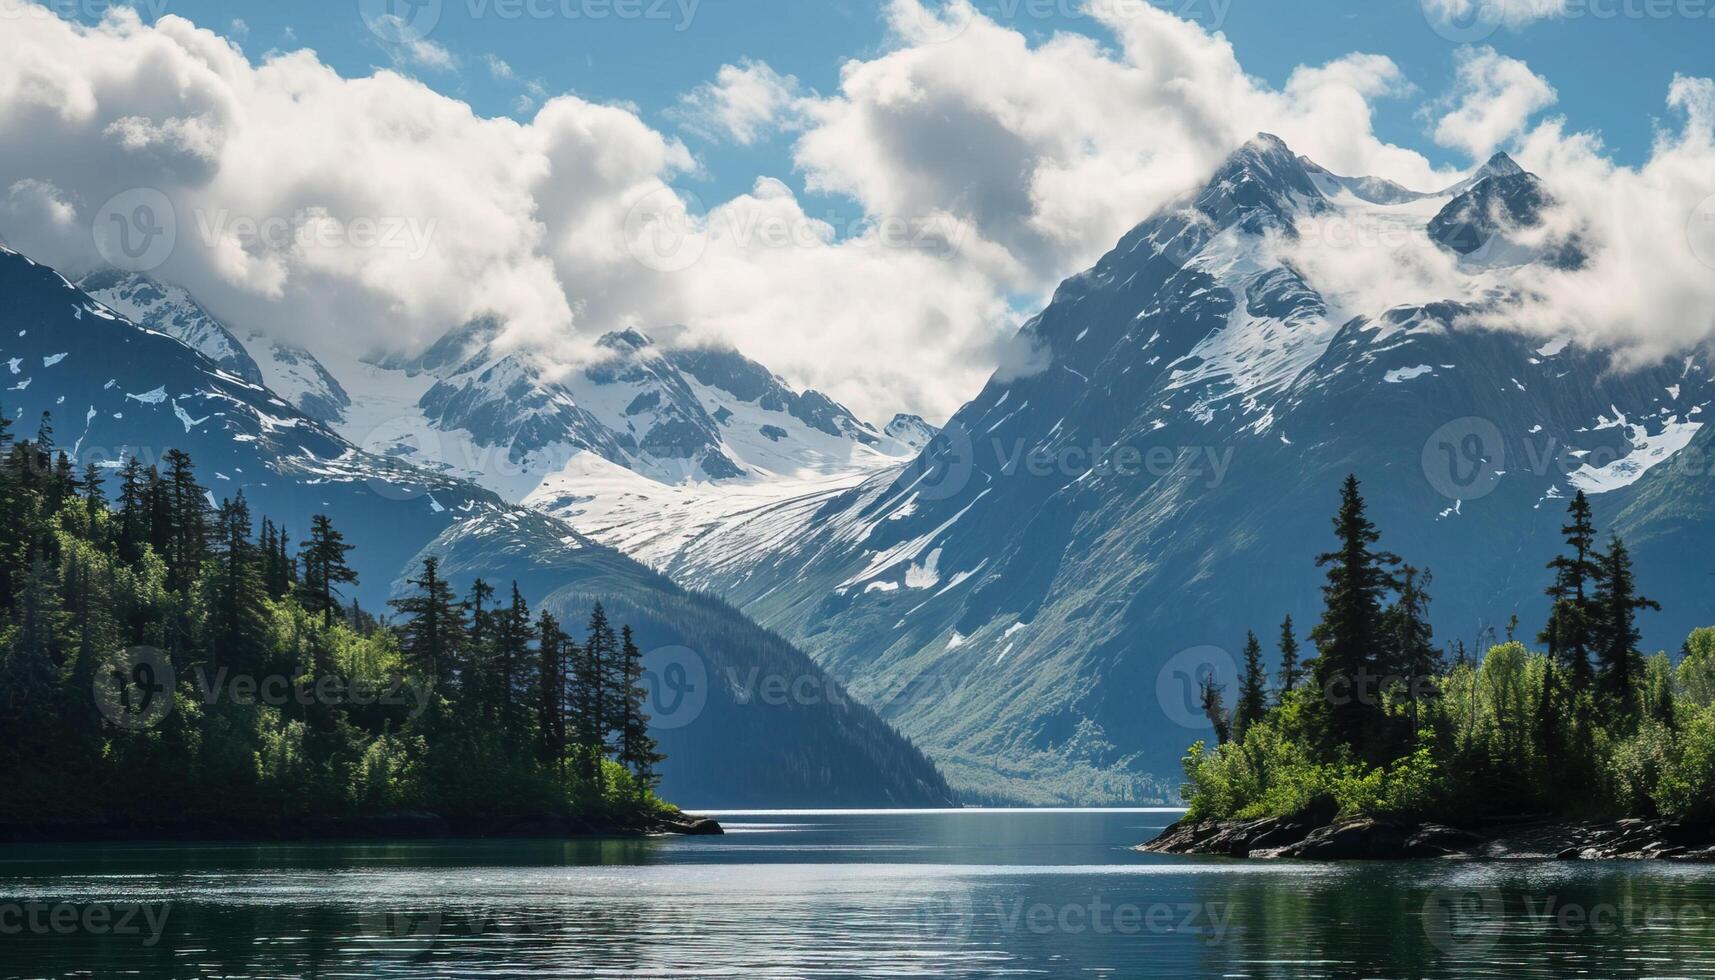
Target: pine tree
x=133 y=511
x=29 y=675
x=594 y=676
x=325 y=569
x=511 y=643
x=553 y=651
x=477 y=675
x=1215 y=709
x=638 y=752
x=237 y=612
x=1616 y=604
x=1289 y=675
x=186 y=511
x=1569 y=634
x=1253 y=690
x=95 y=501
x=1349 y=638
x=1412 y=640
x=433 y=634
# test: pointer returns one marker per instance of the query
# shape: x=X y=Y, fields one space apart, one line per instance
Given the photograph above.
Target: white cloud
x=1649 y=287
x=986 y=167
x=1512 y=13
x=424 y=52
x=744 y=103
x=1051 y=153
x=1492 y=101
x=498 y=68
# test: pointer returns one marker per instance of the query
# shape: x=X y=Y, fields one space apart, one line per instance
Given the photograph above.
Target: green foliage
x=288 y=704
x=1588 y=727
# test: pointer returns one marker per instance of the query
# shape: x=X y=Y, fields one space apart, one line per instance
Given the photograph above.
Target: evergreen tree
x=237 y=606
x=325 y=569
x=477 y=674
x=1616 y=635
x=133 y=510
x=1253 y=690
x=433 y=634
x=1572 y=618
x=516 y=668
x=1289 y=671
x=553 y=652
x=29 y=676
x=1412 y=641
x=1349 y=638
x=95 y=501
x=638 y=752
x=186 y=513
x=1215 y=709
x=594 y=678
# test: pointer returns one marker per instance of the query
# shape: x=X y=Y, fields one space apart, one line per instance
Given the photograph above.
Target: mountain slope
x=678 y=417
x=116 y=389
x=291 y=372
x=1025 y=598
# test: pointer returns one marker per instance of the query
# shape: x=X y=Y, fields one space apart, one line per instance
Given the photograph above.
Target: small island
x=169 y=672
x=1385 y=746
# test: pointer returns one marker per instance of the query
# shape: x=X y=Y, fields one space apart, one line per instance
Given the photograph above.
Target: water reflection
x=839 y=895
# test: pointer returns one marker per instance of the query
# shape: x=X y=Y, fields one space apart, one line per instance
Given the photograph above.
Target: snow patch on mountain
x=1647 y=452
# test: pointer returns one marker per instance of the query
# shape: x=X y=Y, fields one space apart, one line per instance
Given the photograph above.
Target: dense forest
x=163 y=658
x=1383 y=720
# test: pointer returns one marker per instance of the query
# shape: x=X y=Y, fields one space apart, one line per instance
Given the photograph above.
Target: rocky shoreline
x=1312 y=837
x=386 y=827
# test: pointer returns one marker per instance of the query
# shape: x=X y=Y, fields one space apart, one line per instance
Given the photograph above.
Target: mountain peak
x=628 y=339
x=1262 y=182
x=1500 y=165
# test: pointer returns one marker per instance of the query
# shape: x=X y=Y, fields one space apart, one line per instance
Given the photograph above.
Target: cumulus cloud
x=1649 y=287
x=745 y=103
x=1491 y=102
x=1050 y=153
x=375 y=213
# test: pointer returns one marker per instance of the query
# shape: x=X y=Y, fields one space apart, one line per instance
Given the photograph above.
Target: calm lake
x=837 y=894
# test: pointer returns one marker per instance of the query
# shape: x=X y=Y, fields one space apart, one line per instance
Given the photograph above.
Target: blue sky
x=1611 y=67
x=958 y=179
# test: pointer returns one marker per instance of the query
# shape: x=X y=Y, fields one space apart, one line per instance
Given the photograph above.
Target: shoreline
x=1307 y=838
x=406 y=826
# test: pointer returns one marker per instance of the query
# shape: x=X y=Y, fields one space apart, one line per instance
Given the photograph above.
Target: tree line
x=1381 y=718
x=475 y=705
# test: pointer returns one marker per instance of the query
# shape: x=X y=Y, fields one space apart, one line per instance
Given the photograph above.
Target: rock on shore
x=1320 y=837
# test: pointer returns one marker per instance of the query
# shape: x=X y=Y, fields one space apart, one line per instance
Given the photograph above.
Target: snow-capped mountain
x=116 y=389
x=1022 y=597
x=291 y=372
x=638 y=412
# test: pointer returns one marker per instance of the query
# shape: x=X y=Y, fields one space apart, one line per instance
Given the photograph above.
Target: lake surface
x=837 y=895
